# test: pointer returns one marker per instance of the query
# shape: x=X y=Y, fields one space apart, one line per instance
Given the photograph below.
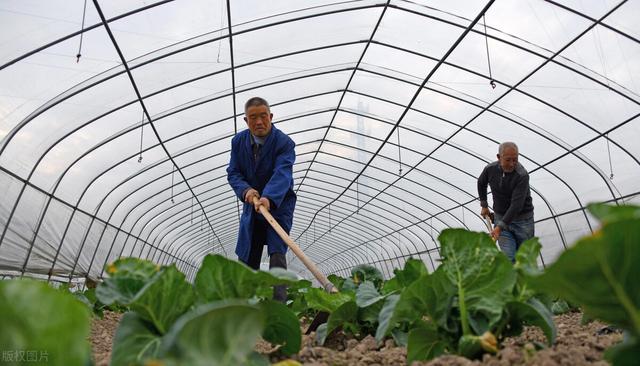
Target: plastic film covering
x=116 y=123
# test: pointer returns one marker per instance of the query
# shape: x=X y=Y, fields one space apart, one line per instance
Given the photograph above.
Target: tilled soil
x=102 y=333
x=576 y=344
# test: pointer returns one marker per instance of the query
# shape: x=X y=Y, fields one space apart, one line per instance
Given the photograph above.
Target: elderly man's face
x=258 y=120
x=508 y=159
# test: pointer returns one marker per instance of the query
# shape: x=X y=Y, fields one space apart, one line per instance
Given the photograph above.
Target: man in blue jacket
x=261 y=166
x=512 y=204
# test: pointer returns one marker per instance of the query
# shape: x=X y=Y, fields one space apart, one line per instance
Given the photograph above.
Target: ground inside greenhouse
x=576 y=344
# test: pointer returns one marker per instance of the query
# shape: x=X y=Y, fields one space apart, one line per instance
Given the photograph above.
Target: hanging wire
x=399 y=154
x=609 y=153
x=632 y=76
x=141 y=137
x=486 y=40
x=84 y=13
x=221 y=27
x=191 y=210
x=600 y=53
x=329 y=218
x=357 y=195
x=173 y=170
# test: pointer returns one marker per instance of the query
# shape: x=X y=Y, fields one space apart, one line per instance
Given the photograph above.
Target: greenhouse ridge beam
x=89 y=28
x=233 y=72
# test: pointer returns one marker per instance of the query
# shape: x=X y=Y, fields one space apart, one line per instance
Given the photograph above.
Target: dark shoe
x=279 y=260
x=280 y=293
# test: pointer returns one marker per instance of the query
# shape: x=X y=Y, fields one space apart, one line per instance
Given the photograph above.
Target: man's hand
x=263 y=201
x=495 y=233
x=484 y=212
x=248 y=196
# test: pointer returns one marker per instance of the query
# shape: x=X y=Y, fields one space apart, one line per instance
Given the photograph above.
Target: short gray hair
x=507 y=145
x=255 y=102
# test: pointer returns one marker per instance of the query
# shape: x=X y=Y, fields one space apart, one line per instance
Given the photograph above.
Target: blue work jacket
x=272 y=176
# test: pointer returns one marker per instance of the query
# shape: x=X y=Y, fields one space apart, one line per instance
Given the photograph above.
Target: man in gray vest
x=509 y=182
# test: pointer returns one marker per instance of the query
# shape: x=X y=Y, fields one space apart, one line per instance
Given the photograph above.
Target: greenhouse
x=120 y=132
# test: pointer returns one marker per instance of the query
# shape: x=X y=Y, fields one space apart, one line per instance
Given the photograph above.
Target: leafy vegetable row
x=468 y=305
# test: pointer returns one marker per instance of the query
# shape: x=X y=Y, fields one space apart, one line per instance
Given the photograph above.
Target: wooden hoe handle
x=328 y=286
x=487 y=221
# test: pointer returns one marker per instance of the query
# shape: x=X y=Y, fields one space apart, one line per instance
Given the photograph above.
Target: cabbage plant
x=600 y=274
